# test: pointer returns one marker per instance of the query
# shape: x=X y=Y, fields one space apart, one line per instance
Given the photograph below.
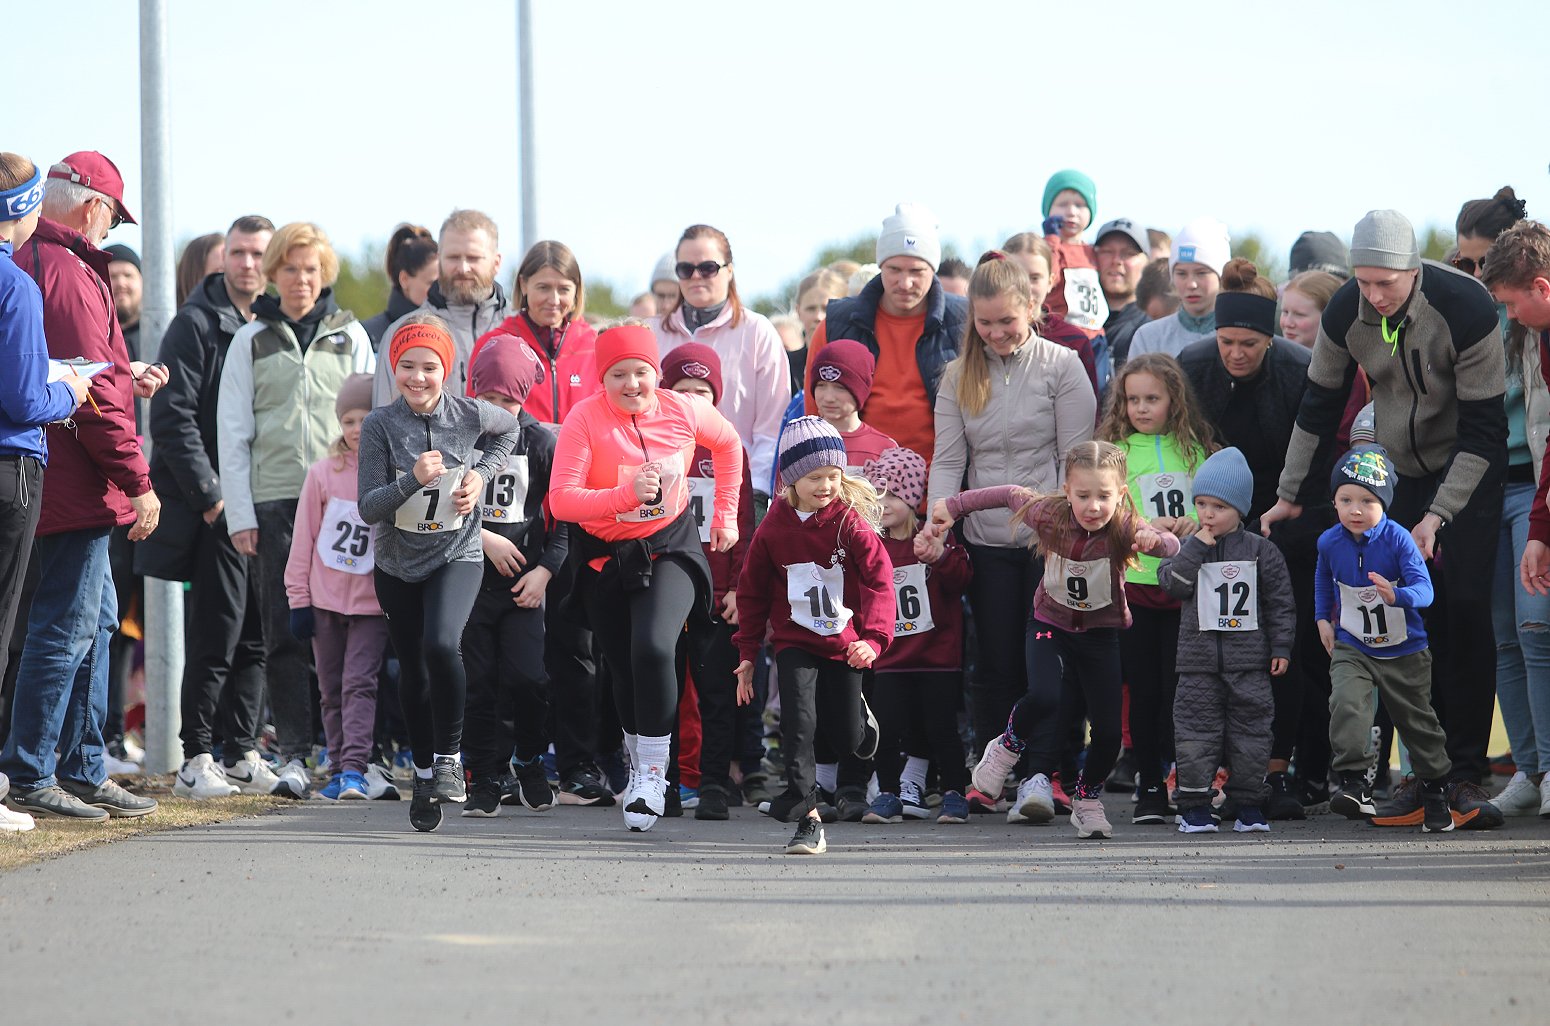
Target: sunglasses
x=705 y=269
x=118 y=218
x=1469 y=266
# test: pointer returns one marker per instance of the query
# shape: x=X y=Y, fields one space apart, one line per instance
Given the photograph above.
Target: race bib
x=505 y=493
x=912 y=603
x=702 y=502
x=429 y=510
x=669 y=501
x=1085 y=305
x=344 y=543
x=1165 y=495
x=817 y=597
x=1083 y=586
x=1227 y=596
x=1367 y=618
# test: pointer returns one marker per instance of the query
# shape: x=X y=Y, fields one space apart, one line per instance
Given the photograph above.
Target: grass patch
x=53 y=837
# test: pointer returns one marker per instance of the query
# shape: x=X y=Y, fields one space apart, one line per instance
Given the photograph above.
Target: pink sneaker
x=1088 y=817
x=990 y=775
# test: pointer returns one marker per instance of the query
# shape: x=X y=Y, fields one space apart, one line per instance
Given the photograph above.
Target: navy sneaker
x=1251 y=820
x=1197 y=820
x=584 y=786
x=885 y=808
x=954 y=808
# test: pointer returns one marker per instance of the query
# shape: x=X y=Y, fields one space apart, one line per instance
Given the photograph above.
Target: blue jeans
x=1522 y=626
x=62 y=680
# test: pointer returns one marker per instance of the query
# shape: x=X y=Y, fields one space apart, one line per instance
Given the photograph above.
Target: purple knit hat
x=806 y=444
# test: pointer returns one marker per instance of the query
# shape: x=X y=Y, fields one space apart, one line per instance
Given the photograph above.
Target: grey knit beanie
x=1385 y=238
x=1225 y=475
x=911 y=231
x=664 y=270
x=806 y=444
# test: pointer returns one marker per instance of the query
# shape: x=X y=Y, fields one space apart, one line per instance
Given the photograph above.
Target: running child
x=333 y=600
x=1238 y=625
x=816 y=574
x=420 y=482
x=1152 y=416
x=1088 y=535
x=505 y=734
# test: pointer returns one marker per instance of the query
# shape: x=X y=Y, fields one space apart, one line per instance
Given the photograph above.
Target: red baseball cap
x=93 y=170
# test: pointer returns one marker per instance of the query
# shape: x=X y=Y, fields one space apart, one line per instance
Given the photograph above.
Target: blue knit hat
x=1225 y=475
x=1369 y=467
x=1077 y=183
x=806 y=444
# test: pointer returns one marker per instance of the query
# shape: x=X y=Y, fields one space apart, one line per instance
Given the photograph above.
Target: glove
x=301 y=623
x=1053 y=224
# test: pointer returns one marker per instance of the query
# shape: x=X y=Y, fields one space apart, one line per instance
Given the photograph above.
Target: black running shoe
x=851 y=804
x=808 y=840
x=1354 y=799
x=672 y=803
x=1122 y=779
x=531 y=785
x=1284 y=802
x=447 y=780
x=1437 y=817
x=485 y=798
x=713 y=803
x=1472 y=808
x=424 y=810
x=1152 y=806
x=584 y=785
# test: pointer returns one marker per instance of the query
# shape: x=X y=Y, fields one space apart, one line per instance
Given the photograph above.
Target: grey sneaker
x=110 y=797
x=447 y=773
x=55 y=801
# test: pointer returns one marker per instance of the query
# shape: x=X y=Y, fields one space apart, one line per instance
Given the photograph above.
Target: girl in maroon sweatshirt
x=1086 y=535
x=816 y=573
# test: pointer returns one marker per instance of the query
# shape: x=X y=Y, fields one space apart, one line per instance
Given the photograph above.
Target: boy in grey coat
x=1235 y=633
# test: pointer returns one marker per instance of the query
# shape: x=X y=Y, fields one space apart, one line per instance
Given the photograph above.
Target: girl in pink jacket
x=328 y=582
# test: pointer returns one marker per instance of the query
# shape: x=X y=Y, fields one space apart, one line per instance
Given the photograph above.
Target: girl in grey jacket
x=1235 y=633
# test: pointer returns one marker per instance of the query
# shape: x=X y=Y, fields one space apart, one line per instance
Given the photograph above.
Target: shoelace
x=909 y=792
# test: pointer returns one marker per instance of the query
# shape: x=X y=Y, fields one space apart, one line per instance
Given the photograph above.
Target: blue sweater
x=1388 y=550
x=27 y=399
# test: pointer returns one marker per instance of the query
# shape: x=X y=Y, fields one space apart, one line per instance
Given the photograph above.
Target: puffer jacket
x=1216 y=651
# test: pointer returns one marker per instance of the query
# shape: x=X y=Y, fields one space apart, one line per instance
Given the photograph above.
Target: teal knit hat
x=1076 y=182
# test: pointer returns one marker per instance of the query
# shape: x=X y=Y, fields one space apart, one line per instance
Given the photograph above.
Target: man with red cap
x=97 y=477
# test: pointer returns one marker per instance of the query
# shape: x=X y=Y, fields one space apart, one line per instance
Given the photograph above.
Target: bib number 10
x=821 y=603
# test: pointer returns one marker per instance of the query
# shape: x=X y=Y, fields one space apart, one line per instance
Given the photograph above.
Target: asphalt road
x=341 y=914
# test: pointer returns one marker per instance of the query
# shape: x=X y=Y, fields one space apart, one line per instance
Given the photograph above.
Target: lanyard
x=1392 y=337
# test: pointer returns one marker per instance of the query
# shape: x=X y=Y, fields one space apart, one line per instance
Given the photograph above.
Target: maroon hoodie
x=725 y=567
x=94 y=468
x=927 y=631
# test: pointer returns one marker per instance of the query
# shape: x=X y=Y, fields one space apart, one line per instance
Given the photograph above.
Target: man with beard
x=465 y=295
x=1121 y=258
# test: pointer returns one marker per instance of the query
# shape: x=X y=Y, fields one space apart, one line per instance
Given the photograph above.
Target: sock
x=915 y=772
x=653 y=751
x=1086 y=792
x=630 y=743
x=422 y=772
x=829 y=776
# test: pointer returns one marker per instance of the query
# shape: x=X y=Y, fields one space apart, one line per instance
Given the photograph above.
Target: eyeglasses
x=705 y=269
x=1469 y=266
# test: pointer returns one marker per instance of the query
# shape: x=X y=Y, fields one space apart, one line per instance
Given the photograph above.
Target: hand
x=1282 y=510
x=149 y=377
x=1327 y=636
x=1203 y=534
x=245 y=542
x=1534 y=571
x=1278 y=667
x=1052 y=224
x=1184 y=527
x=1425 y=534
x=466 y=495
x=729 y=609
x=529 y=591
x=213 y=514
x=302 y=625
x=928 y=547
x=429 y=468
x=79 y=384
x=648 y=482
x=1384 y=585
x=147 y=515
x=860 y=654
x=502 y=553
x=744 y=682
x=722 y=539
x=1146 y=538
x=941 y=520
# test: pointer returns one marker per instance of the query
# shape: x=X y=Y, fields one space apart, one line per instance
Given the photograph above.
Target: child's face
x=1003 y=322
x=1146 y=403
x=1197 y=286
x=834 y=401
x=631 y=385
x=1359 y=510
x=818 y=489
x=350 y=427
x=1038 y=276
x=696 y=386
x=897 y=514
x=502 y=400
x=418 y=376
x=1094 y=495
x=1299 y=318
x=1216 y=516
x=1070 y=205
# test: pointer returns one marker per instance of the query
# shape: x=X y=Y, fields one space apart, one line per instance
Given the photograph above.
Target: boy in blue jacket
x=1369 y=588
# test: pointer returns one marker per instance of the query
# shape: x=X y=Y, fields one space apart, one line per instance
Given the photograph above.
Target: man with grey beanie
x=1428 y=338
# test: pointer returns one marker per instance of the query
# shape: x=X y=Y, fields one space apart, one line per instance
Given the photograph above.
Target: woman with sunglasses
x=755 y=375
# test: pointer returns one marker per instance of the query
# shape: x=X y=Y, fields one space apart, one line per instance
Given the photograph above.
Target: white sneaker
x=1519 y=798
x=1035 y=801
x=1088 y=817
x=632 y=799
x=1544 y=797
x=292 y=781
x=13 y=822
x=651 y=789
x=990 y=775
x=252 y=775
x=117 y=767
x=380 y=786
x=132 y=750
x=200 y=779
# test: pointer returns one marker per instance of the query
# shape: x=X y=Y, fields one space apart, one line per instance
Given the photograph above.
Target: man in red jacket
x=96 y=478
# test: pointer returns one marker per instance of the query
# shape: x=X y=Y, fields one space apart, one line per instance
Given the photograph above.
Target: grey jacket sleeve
x=380 y=490
x=502 y=432
x=1178 y=574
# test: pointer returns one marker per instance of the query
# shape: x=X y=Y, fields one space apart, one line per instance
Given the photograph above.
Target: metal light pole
x=525 y=121
x=163 y=599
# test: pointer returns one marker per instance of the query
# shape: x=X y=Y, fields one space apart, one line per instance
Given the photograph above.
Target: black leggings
x=1148 y=651
x=425 y=622
x=923 y=702
x=508 y=688
x=1066 y=670
x=1000 y=596
x=639 y=634
x=815 y=694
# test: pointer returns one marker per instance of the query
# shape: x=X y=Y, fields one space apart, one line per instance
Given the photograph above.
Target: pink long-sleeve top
x=602 y=448
x=309 y=579
x=1050 y=518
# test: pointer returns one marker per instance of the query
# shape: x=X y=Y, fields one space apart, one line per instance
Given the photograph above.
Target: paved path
x=341 y=914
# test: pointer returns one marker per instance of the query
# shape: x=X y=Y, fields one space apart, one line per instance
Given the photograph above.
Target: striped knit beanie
x=807 y=444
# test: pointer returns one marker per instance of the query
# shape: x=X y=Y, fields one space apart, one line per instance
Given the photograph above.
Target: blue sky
x=795 y=124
